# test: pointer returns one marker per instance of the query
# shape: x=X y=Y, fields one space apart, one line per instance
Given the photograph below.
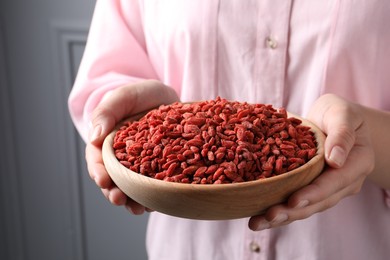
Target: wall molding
x=66 y=37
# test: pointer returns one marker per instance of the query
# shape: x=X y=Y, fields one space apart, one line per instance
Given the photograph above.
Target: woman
x=323 y=60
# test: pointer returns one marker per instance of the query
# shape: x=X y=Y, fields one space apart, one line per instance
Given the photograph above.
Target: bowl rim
x=108 y=154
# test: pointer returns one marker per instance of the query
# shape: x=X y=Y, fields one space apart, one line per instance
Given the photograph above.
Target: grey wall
x=49 y=208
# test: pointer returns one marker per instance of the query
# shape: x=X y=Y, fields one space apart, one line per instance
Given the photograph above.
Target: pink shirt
x=286 y=53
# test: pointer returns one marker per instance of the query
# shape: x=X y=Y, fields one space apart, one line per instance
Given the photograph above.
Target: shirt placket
x=271 y=50
x=269 y=73
x=256 y=245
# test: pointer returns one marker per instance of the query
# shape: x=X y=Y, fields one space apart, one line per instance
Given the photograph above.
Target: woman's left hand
x=349 y=156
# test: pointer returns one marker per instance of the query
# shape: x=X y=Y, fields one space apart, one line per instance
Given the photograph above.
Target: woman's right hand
x=118 y=105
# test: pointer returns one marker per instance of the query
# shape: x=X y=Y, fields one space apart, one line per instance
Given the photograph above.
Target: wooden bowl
x=212 y=201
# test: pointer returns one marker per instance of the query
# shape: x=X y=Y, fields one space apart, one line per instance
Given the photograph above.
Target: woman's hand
x=121 y=103
x=349 y=156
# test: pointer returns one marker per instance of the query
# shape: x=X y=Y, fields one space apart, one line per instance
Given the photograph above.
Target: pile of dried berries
x=215 y=141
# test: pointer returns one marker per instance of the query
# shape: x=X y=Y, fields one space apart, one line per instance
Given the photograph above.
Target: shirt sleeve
x=115 y=55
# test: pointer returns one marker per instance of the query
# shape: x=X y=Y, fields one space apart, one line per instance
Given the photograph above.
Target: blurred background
x=49 y=207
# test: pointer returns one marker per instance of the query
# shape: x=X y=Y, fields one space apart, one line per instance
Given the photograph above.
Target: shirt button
x=254 y=247
x=271 y=42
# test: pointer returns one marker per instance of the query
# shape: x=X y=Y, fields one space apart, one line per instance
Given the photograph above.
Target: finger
x=329 y=182
x=99 y=174
x=332 y=180
x=96 y=168
x=282 y=214
x=134 y=207
x=116 y=196
x=329 y=188
x=106 y=193
x=127 y=100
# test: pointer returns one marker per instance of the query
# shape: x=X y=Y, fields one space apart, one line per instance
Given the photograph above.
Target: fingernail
x=337 y=155
x=97 y=130
x=263 y=224
x=280 y=218
x=302 y=204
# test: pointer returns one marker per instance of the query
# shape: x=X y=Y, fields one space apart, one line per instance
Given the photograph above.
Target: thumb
x=339 y=142
x=125 y=101
x=101 y=124
x=340 y=121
